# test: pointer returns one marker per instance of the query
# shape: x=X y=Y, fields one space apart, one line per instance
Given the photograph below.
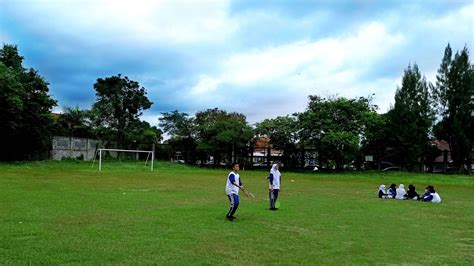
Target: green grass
x=68 y=213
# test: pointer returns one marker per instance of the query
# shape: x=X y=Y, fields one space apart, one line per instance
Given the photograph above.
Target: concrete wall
x=63 y=147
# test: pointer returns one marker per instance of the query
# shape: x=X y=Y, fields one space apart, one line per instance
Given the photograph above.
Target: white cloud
x=205 y=85
x=144 y=21
x=292 y=71
x=318 y=60
x=368 y=60
x=460 y=22
x=263 y=75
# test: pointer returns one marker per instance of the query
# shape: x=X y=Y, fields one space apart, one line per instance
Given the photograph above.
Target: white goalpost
x=99 y=152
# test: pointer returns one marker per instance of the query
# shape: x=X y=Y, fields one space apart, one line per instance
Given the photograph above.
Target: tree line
x=27 y=123
x=342 y=130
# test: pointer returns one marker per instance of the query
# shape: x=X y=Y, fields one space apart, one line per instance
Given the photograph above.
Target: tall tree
x=454 y=93
x=10 y=57
x=74 y=122
x=222 y=135
x=25 y=109
x=334 y=127
x=442 y=83
x=374 y=140
x=410 y=120
x=11 y=100
x=181 y=129
x=142 y=135
x=283 y=134
x=120 y=102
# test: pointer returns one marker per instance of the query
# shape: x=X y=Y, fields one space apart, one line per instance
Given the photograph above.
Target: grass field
x=68 y=213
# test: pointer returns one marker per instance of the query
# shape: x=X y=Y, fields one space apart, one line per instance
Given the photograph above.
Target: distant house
x=262 y=150
x=441 y=162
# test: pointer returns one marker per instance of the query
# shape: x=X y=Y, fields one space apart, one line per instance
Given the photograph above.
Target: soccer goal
x=151 y=155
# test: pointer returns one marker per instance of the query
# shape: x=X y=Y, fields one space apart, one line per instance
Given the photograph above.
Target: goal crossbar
x=124 y=150
x=99 y=151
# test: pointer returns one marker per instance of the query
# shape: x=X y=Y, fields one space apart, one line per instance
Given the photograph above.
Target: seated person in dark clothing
x=392 y=191
x=411 y=193
x=382 y=192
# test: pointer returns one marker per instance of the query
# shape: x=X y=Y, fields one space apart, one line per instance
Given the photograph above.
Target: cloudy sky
x=260 y=58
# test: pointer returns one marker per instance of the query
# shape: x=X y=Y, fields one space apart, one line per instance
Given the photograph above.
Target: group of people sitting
x=399 y=193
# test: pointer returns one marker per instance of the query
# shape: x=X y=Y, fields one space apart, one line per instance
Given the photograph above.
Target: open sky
x=259 y=58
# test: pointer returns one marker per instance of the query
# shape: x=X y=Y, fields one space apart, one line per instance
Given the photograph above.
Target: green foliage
x=25 y=109
x=142 y=135
x=454 y=94
x=11 y=99
x=442 y=83
x=74 y=122
x=410 y=120
x=283 y=134
x=222 y=135
x=336 y=127
x=10 y=57
x=178 y=125
x=281 y=130
x=120 y=102
x=181 y=129
x=340 y=146
x=374 y=140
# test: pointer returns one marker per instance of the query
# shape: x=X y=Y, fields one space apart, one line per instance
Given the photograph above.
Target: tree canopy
x=221 y=134
x=119 y=104
x=25 y=109
x=341 y=130
x=454 y=103
x=410 y=119
x=181 y=129
x=335 y=127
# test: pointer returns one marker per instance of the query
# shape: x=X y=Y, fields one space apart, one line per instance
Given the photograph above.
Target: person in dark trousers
x=392 y=191
x=411 y=193
x=232 y=190
x=382 y=192
x=274 y=185
x=431 y=195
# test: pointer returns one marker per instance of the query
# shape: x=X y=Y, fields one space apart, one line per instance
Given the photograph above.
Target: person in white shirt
x=431 y=195
x=401 y=193
x=274 y=185
x=232 y=190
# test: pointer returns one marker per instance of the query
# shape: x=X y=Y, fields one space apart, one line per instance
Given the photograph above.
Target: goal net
x=100 y=156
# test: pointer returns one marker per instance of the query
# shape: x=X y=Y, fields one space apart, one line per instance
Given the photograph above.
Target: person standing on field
x=232 y=190
x=274 y=185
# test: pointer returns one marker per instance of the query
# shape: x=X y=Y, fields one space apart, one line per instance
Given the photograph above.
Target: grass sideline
x=67 y=213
